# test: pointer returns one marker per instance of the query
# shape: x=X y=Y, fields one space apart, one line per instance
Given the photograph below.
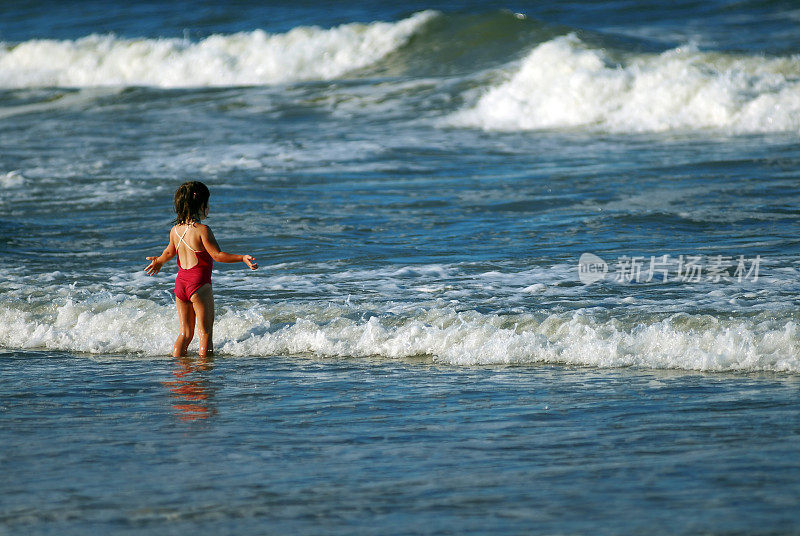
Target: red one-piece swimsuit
x=188 y=281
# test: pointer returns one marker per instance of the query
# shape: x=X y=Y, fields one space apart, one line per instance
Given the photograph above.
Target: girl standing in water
x=197 y=249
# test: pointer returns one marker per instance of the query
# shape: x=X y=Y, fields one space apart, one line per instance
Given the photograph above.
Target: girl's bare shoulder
x=203 y=230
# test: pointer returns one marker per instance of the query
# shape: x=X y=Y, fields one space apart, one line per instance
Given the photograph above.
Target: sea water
x=523 y=267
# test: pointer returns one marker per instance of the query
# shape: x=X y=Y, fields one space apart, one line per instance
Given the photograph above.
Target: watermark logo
x=665 y=269
x=591 y=268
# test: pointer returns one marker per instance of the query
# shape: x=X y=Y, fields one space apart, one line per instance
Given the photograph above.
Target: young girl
x=197 y=249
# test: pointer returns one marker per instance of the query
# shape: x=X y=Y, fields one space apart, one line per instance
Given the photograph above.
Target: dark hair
x=190 y=200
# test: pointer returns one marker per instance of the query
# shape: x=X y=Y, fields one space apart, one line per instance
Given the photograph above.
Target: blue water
x=420 y=351
x=373 y=447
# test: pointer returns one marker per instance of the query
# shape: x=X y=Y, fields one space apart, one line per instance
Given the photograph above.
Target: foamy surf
x=442 y=333
x=564 y=83
x=245 y=58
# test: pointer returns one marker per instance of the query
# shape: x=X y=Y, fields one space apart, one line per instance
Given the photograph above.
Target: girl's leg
x=186 y=318
x=203 y=303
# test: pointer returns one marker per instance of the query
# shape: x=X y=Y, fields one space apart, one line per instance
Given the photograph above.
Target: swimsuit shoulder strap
x=182 y=241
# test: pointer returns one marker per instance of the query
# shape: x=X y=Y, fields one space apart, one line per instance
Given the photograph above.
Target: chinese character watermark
x=665 y=269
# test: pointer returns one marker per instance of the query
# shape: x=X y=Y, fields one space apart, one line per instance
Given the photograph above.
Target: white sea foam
x=681 y=341
x=246 y=58
x=460 y=313
x=563 y=83
x=12 y=179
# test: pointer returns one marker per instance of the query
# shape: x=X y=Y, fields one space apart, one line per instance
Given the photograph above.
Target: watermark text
x=667 y=268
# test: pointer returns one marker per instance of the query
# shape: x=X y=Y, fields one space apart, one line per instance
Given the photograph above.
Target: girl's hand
x=154 y=267
x=250 y=261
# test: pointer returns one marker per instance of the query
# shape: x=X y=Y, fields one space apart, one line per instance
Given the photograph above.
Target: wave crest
x=681 y=341
x=563 y=83
x=246 y=58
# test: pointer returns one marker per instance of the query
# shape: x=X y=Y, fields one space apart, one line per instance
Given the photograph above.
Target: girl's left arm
x=157 y=262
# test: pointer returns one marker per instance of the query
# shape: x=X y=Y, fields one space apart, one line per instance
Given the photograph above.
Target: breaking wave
x=246 y=58
x=472 y=61
x=441 y=333
x=563 y=83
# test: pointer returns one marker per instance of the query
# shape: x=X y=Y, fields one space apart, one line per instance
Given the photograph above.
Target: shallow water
x=120 y=445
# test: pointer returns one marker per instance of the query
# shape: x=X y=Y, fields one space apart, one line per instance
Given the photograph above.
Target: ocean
x=524 y=268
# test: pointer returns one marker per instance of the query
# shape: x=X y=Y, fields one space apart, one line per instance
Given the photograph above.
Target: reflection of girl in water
x=191 y=390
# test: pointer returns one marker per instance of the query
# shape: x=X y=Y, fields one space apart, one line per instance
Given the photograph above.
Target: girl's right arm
x=157 y=262
x=212 y=247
